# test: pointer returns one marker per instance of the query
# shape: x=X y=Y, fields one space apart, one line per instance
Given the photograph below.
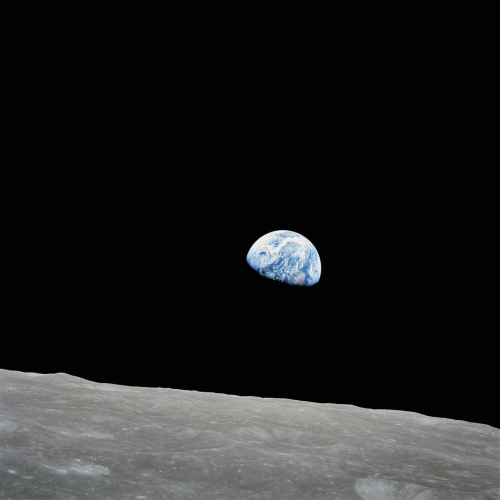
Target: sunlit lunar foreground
x=63 y=437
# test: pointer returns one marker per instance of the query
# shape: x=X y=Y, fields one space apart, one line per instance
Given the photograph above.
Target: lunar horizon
x=64 y=437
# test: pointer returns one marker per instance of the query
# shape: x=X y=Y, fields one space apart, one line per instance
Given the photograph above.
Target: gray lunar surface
x=63 y=437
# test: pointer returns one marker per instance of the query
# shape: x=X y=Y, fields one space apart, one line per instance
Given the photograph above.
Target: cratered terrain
x=63 y=437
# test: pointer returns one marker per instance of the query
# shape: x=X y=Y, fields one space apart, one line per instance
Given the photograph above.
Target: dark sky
x=128 y=240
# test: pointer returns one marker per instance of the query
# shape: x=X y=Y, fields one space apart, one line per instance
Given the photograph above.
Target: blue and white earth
x=286 y=256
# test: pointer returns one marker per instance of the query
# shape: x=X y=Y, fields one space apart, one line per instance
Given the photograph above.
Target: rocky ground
x=63 y=437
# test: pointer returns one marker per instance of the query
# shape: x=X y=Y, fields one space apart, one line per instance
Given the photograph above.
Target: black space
x=137 y=195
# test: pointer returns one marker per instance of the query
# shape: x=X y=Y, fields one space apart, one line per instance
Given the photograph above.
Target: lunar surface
x=286 y=256
x=63 y=437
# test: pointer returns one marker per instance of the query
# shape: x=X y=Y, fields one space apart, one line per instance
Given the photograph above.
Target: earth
x=286 y=256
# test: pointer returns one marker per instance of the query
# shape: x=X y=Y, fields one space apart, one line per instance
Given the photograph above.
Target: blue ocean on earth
x=286 y=256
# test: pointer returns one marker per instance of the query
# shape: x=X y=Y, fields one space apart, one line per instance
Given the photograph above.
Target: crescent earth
x=286 y=256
